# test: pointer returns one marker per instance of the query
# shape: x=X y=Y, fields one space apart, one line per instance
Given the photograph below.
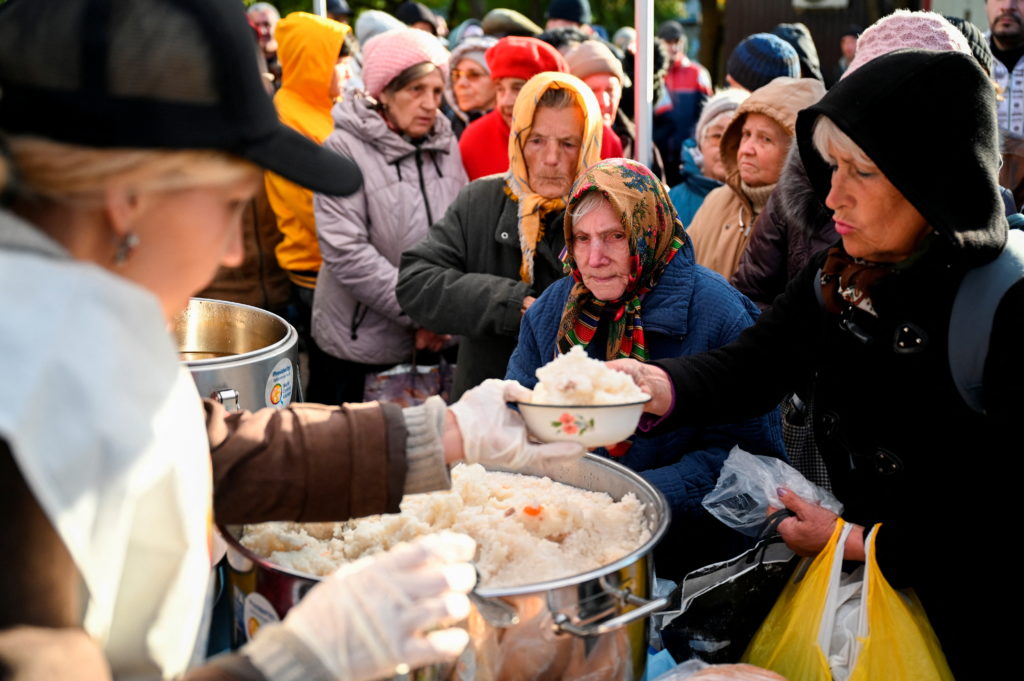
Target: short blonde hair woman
x=129 y=173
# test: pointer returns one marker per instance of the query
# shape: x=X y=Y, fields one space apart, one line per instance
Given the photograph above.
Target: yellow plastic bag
x=900 y=644
x=896 y=641
x=787 y=642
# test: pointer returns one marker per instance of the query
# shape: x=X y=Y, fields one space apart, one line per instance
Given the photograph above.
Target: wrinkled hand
x=494 y=434
x=428 y=340
x=651 y=379
x=382 y=611
x=807 y=532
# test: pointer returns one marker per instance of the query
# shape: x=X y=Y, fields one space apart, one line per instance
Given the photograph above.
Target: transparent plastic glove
x=383 y=611
x=494 y=434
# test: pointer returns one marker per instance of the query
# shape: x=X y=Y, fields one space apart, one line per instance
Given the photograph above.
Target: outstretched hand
x=652 y=380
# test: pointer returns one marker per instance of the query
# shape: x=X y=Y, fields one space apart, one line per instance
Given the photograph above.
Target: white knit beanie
x=721 y=102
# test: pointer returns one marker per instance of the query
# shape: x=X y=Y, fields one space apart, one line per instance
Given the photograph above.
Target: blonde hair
x=69 y=173
x=827 y=135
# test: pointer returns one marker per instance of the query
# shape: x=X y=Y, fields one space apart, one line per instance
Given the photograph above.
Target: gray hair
x=556 y=98
x=827 y=135
x=588 y=204
x=264 y=7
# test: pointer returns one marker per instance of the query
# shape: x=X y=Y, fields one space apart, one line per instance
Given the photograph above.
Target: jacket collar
x=18 y=235
x=356 y=115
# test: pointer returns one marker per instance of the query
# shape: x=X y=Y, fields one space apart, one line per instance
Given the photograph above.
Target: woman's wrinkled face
x=600 y=246
x=473 y=87
x=412 y=109
x=552 y=149
x=184 y=236
x=762 y=151
x=710 y=146
x=874 y=219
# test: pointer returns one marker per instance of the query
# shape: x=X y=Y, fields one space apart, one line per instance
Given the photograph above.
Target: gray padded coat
x=406 y=187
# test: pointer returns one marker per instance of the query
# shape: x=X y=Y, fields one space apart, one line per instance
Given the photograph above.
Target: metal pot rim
x=660 y=510
x=241 y=356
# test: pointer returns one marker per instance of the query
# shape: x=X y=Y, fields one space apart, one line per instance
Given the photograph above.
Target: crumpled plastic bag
x=747 y=486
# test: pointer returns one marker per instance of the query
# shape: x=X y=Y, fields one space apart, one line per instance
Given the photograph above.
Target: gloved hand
x=370 y=616
x=494 y=434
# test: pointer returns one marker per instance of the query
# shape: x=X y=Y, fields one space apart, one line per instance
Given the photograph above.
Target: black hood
x=928 y=121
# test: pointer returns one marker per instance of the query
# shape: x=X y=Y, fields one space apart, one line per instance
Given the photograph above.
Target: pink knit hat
x=388 y=54
x=904 y=29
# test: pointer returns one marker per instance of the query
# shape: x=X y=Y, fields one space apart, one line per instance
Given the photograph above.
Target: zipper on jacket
x=358 y=315
x=423 y=188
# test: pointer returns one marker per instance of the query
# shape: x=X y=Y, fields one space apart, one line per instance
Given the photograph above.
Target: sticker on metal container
x=279 y=385
x=257 y=612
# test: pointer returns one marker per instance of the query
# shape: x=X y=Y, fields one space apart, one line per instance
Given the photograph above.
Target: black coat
x=793 y=226
x=901 y=446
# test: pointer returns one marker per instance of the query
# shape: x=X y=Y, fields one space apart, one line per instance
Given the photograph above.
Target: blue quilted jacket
x=691 y=310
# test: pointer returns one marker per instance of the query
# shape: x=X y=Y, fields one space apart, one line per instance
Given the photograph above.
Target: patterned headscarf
x=655 y=236
x=533 y=207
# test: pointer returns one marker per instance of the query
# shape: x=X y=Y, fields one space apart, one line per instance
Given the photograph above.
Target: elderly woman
x=411 y=172
x=470 y=92
x=753 y=150
x=496 y=249
x=112 y=469
x=703 y=170
x=873 y=322
x=635 y=291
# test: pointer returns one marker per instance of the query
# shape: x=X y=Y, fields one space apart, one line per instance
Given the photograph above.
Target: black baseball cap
x=165 y=74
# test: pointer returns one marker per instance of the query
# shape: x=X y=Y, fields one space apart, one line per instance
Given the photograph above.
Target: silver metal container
x=592 y=625
x=245 y=357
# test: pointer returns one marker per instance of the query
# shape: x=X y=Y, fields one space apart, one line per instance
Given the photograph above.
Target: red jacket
x=484 y=145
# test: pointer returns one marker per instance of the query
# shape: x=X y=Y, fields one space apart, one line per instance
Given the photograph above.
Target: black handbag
x=717 y=609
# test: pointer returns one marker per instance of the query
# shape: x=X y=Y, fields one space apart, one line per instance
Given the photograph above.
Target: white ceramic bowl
x=599 y=425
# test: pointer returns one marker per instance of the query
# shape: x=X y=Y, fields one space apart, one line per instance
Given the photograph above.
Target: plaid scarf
x=655 y=236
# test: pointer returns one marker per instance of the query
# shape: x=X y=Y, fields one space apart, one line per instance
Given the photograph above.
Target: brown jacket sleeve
x=41 y=585
x=307 y=462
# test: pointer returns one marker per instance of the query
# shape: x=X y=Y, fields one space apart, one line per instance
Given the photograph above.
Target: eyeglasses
x=471 y=76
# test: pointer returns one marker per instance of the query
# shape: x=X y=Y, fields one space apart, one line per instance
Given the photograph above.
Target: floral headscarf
x=533 y=207
x=655 y=236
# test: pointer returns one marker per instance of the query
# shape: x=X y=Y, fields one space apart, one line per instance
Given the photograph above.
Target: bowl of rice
x=579 y=399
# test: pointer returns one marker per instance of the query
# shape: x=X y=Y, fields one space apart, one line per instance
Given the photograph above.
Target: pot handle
x=564 y=624
x=228 y=397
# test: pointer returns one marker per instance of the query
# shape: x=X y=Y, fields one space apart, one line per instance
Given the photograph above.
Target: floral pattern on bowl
x=570 y=424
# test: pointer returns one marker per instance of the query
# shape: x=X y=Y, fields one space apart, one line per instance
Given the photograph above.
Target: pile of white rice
x=527 y=529
x=577 y=379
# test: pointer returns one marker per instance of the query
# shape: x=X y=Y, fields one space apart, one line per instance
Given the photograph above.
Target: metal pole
x=643 y=88
x=320 y=7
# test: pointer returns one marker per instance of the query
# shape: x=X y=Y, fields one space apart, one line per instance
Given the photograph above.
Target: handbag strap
x=769 y=531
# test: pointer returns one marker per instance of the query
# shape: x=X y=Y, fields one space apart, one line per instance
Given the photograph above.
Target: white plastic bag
x=747 y=486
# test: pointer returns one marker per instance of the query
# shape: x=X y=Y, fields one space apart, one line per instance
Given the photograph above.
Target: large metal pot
x=245 y=357
x=592 y=624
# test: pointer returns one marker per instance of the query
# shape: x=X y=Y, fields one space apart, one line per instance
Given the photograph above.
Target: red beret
x=519 y=57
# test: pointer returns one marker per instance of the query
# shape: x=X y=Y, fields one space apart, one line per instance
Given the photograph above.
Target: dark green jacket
x=464 y=278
